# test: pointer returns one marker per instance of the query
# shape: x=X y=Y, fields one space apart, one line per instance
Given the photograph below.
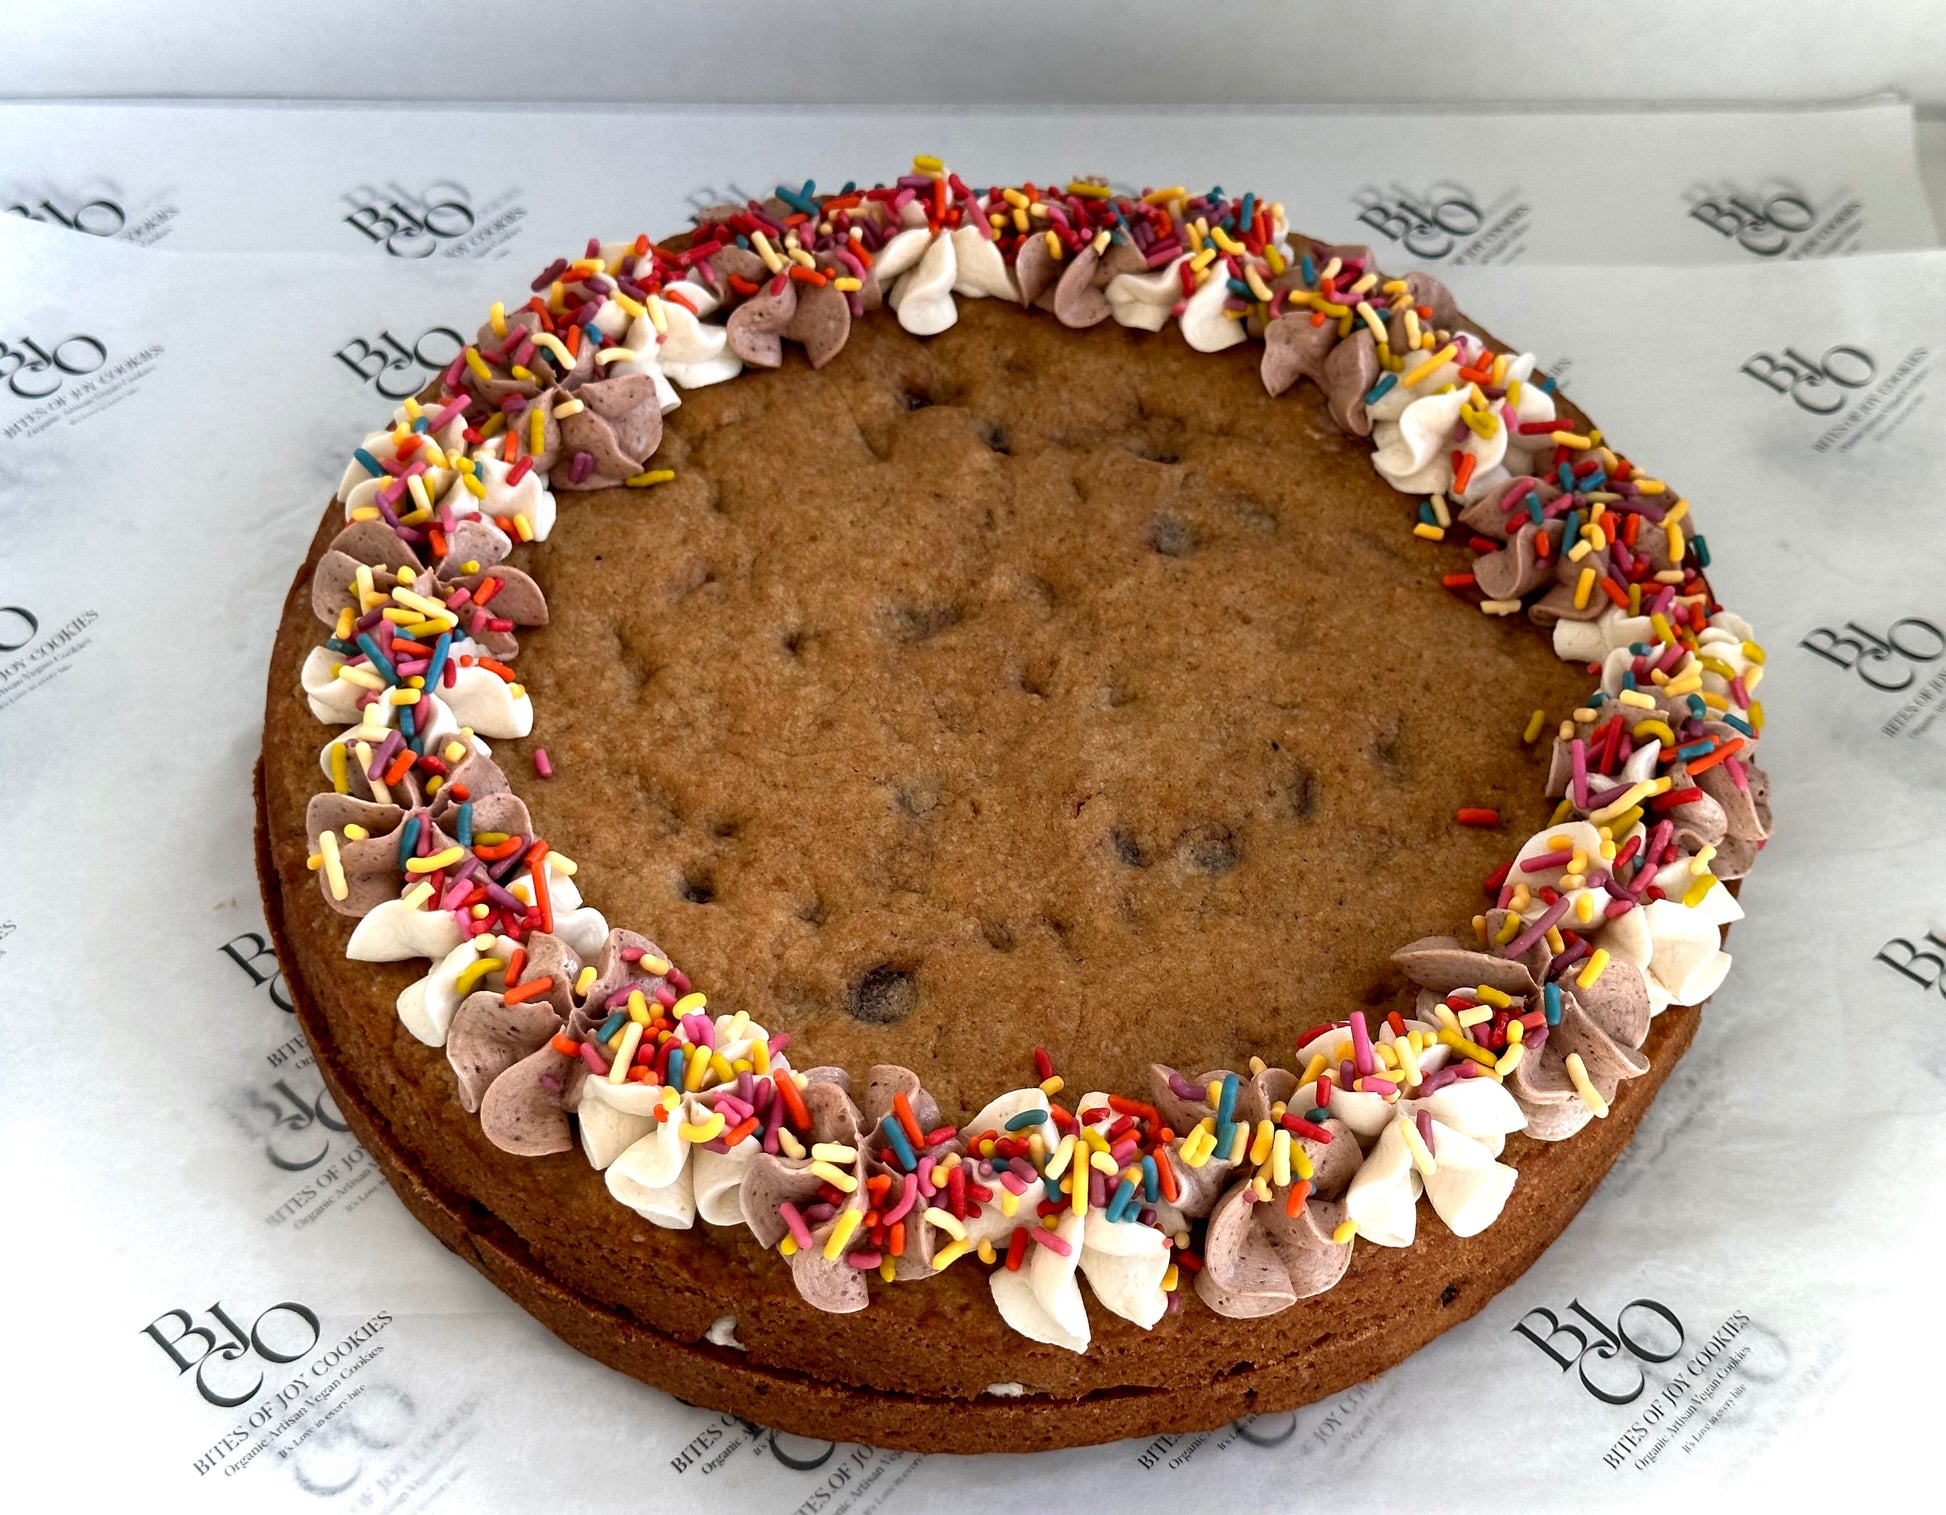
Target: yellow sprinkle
x=1597 y=961
x=833 y=1152
x=1437 y=361
x=1568 y=439
x=1657 y=729
x=835 y=1176
x=689 y=1004
x=1422 y=1157
x=1635 y=794
x=436 y=861
x=625 y=1053
x=1584 y=1086
x=951 y=1253
x=334 y=867
x=555 y=346
x=1476 y=1015
x=1466 y=1047
x=1344 y=1232
x=1698 y=891
x=788 y=1246
x=1510 y=1059
x=1491 y=996
x=1429 y=532
x=840 y=1237
x=649 y=478
x=537 y=430
x=473 y=972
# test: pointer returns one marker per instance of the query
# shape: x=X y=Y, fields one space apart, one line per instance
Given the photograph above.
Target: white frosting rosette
x=359 y=487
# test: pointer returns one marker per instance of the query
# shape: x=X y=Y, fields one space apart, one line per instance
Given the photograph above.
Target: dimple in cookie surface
x=1023 y=686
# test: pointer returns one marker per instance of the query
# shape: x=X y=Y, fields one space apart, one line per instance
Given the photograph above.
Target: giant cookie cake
x=993 y=818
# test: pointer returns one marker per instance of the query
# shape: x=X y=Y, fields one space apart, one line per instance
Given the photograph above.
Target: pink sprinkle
x=541 y=764
x=1048 y=1239
x=801 y=1233
x=594 y=1059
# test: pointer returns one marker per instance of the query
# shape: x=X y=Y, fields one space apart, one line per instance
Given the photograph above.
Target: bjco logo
x=1890 y=662
x=34 y=372
x=395 y=369
x=18 y=627
x=1428 y=225
x=408 y=225
x=97 y=218
x=1764 y=226
x=224 y=1373
x=1921 y=962
x=1820 y=387
x=1601 y=1355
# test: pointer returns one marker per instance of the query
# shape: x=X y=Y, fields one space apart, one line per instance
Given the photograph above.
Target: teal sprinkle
x=675 y=1068
x=1698 y=708
x=799 y=200
x=1317 y=1113
x=1694 y=750
x=409 y=728
x=368 y=644
x=1025 y=1119
x=436 y=667
x=1702 y=549
x=895 y=1134
x=610 y=1026
x=424 y=423
x=1151 y=1180
x=1226 y=1102
x=850 y=185
x=1239 y=289
x=1548 y=385
x=1379 y=390
x=408 y=839
x=463 y=833
x=1119 y=1205
x=366 y=461
x=1737 y=721
x=1309 y=269
x=1551 y=1003
x=1426 y=515
x=1534 y=508
x=1249 y=207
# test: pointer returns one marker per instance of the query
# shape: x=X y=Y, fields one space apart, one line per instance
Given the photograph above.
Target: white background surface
x=976 y=51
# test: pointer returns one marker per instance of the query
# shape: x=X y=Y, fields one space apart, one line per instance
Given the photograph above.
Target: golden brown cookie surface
x=1022 y=686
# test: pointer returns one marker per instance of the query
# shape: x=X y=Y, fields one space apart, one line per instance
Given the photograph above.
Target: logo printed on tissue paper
x=1898 y=662
x=1889 y=663
x=1446 y=221
x=440 y=218
x=1847 y=386
x=1615 y=1379
x=258 y=962
x=1924 y=962
x=273 y=1337
x=1804 y=380
x=33 y=372
x=94 y=214
x=32 y=660
x=1778 y=219
x=397 y=369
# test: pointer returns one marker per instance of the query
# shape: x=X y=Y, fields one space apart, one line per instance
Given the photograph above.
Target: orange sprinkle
x=399 y=765
x=1613 y=590
x=805 y=275
x=1300 y=1191
x=1476 y=815
x=908 y=1122
x=516 y=965
x=498 y=850
x=532 y=989
x=537 y=871
x=566 y=1045
x=1711 y=759
x=793 y=1101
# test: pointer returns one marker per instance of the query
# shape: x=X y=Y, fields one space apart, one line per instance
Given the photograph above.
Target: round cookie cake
x=1125 y=824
